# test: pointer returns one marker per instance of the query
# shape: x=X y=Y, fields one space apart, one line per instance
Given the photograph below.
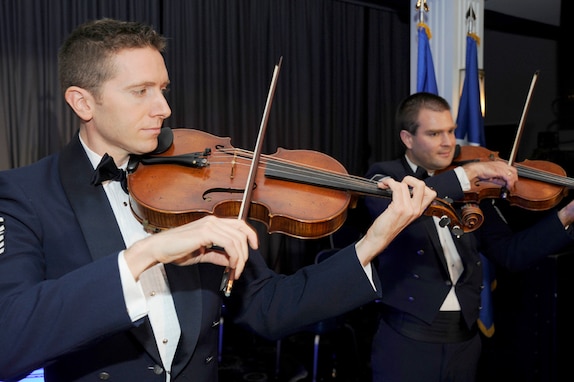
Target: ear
x=406 y=138
x=80 y=100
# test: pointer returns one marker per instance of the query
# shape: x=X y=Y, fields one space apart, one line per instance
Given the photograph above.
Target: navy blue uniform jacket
x=413 y=270
x=61 y=301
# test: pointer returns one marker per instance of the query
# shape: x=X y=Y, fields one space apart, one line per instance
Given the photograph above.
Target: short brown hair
x=408 y=111
x=84 y=58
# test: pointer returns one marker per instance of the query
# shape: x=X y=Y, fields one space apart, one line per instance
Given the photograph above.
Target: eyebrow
x=147 y=84
x=436 y=131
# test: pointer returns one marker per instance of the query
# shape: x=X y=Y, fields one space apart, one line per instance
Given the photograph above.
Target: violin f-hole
x=206 y=194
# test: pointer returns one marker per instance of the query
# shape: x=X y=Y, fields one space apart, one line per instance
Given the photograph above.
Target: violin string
x=544 y=176
x=439 y=207
x=290 y=168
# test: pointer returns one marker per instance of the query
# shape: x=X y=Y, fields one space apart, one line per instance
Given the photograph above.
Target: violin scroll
x=443 y=210
x=471 y=216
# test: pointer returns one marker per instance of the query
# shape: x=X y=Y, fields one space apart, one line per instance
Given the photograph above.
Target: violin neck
x=316 y=177
x=344 y=182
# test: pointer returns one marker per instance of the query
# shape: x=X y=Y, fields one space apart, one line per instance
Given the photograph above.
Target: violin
x=541 y=184
x=300 y=193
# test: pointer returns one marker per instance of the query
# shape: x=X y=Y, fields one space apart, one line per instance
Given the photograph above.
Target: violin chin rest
x=164 y=141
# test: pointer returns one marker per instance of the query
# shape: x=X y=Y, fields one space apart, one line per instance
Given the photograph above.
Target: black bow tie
x=421 y=173
x=107 y=170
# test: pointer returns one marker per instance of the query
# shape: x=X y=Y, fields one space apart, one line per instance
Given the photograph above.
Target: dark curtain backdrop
x=345 y=68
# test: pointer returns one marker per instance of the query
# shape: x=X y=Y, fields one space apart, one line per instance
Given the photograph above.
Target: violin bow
x=227 y=282
x=512 y=158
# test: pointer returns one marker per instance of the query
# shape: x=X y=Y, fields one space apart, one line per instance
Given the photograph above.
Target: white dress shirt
x=452 y=257
x=150 y=295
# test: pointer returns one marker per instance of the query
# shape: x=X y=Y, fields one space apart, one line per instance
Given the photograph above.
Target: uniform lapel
x=185 y=286
x=433 y=234
x=89 y=203
x=428 y=223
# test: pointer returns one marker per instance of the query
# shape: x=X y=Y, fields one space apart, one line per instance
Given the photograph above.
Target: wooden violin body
x=169 y=195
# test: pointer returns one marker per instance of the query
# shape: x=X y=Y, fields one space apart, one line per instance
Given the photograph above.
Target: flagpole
x=420 y=7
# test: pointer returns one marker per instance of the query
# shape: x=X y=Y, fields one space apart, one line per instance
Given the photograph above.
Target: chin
x=145 y=149
x=442 y=165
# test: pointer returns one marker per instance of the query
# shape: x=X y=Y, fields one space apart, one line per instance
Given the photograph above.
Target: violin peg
x=457 y=231
x=444 y=221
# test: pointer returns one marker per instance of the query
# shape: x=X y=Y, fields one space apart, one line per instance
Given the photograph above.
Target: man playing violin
x=87 y=294
x=432 y=280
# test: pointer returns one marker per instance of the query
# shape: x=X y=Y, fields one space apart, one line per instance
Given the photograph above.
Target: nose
x=448 y=139
x=162 y=108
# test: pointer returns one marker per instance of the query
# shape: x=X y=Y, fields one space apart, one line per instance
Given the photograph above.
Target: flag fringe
x=488 y=332
x=427 y=29
x=474 y=36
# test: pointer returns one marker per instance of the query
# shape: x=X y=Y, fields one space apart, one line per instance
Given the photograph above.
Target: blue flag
x=486 y=316
x=470 y=131
x=426 y=80
x=469 y=118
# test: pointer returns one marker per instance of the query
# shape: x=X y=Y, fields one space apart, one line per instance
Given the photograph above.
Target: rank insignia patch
x=2 y=229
